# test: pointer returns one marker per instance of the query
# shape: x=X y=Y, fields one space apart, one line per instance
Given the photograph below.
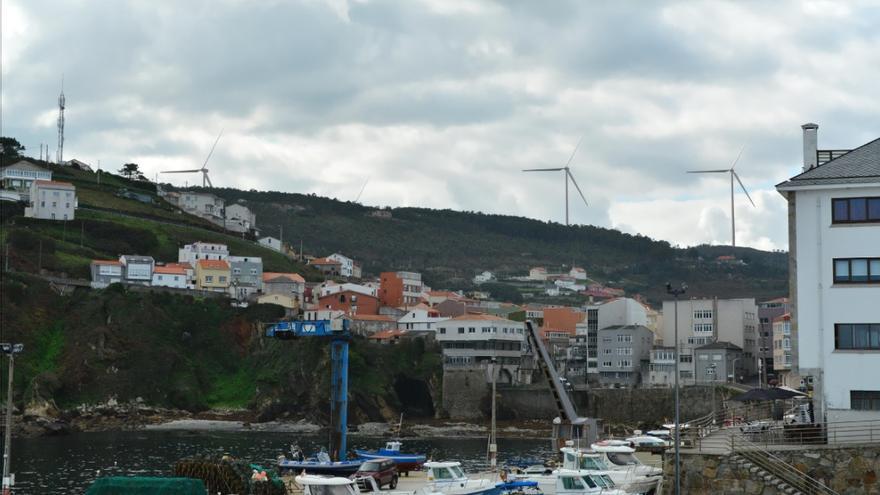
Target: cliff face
x=194 y=354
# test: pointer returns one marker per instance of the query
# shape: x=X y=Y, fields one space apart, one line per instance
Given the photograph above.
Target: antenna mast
x=61 y=103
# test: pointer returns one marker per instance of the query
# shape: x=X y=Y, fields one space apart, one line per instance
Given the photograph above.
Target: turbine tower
x=733 y=175
x=206 y=181
x=59 y=152
x=567 y=176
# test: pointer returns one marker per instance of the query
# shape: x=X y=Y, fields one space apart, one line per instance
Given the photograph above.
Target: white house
x=538 y=273
x=834 y=270
x=270 y=242
x=51 y=200
x=346 y=268
x=568 y=283
x=329 y=287
x=191 y=253
x=105 y=272
x=170 y=275
x=21 y=174
x=622 y=311
x=577 y=273
x=420 y=317
x=239 y=218
x=205 y=205
x=483 y=278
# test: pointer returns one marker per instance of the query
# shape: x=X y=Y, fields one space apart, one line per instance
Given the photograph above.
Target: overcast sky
x=440 y=103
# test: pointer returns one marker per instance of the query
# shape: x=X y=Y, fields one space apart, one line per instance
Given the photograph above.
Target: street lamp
x=677 y=291
x=10 y=350
x=712 y=372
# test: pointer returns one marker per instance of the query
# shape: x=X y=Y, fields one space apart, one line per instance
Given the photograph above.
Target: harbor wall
x=850 y=471
x=466 y=394
x=612 y=406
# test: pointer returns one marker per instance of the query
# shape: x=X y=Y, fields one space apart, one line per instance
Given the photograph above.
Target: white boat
x=619 y=456
x=316 y=484
x=627 y=479
x=648 y=442
x=448 y=478
x=569 y=482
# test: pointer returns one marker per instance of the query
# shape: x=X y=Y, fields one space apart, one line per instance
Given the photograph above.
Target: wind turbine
x=206 y=181
x=733 y=175
x=567 y=175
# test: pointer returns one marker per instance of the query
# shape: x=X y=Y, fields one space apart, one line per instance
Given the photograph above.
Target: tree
x=130 y=170
x=10 y=147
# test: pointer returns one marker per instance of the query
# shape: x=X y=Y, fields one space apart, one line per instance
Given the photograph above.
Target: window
x=864 y=400
x=460 y=329
x=625 y=363
x=624 y=338
x=209 y=278
x=855 y=210
x=857 y=336
x=472 y=330
x=222 y=279
x=702 y=313
x=54 y=204
x=686 y=358
x=42 y=204
x=624 y=351
x=442 y=330
x=857 y=270
x=703 y=357
x=572 y=483
x=606 y=364
x=160 y=277
x=702 y=328
x=607 y=352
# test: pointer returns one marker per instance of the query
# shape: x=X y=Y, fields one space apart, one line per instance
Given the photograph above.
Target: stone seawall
x=848 y=471
x=466 y=393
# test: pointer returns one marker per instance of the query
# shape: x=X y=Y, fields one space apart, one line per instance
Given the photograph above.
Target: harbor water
x=69 y=464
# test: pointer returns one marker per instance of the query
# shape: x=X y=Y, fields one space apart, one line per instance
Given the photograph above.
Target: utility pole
x=10 y=350
x=493 y=442
x=675 y=293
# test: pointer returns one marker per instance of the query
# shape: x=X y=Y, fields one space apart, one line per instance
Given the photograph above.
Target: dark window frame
x=860 y=398
x=841 y=327
x=873 y=278
x=868 y=218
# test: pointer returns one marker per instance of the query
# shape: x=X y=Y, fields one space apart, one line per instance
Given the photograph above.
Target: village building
x=327 y=266
x=362 y=324
x=289 y=303
x=330 y=287
x=400 y=288
x=538 y=273
x=350 y=303
x=473 y=341
x=51 y=200
x=238 y=218
x=346 y=264
x=191 y=253
x=20 y=176
x=170 y=275
x=270 y=242
x=247 y=276
x=106 y=272
x=577 y=273
x=624 y=350
x=718 y=362
x=212 y=275
x=420 y=317
x=137 y=269
x=782 y=357
x=288 y=284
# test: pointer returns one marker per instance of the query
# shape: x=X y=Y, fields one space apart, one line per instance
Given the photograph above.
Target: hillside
x=449 y=247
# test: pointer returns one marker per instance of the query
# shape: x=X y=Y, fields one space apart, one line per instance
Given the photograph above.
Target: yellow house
x=212 y=275
x=289 y=303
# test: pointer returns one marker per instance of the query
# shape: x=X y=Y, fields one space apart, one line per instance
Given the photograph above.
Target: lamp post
x=675 y=293
x=10 y=350
x=712 y=372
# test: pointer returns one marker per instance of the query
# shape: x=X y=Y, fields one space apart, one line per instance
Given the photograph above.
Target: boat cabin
x=578 y=483
x=392 y=446
x=445 y=471
x=576 y=460
x=314 y=484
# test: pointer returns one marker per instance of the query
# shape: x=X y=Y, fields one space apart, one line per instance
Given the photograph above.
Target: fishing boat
x=576 y=482
x=449 y=479
x=619 y=456
x=628 y=478
x=320 y=464
x=405 y=462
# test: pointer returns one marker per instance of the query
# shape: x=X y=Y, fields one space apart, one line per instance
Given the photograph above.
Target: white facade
x=205 y=205
x=842 y=369
x=623 y=311
x=239 y=218
x=327 y=289
x=472 y=341
x=170 y=278
x=538 y=273
x=191 y=253
x=484 y=277
x=346 y=268
x=270 y=242
x=51 y=200
x=420 y=317
x=20 y=175
x=577 y=273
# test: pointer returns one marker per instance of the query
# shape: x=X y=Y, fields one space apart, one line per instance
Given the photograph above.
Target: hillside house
x=289 y=303
x=270 y=242
x=288 y=284
x=106 y=272
x=239 y=218
x=400 y=288
x=350 y=302
x=212 y=275
x=577 y=273
x=327 y=266
x=562 y=319
x=346 y=264
x=420 y=317
x=330 y=287
x=137 y=269
x=171 y=275
x=51 y=200
x=247 y=276
x=200 y=204
x=191 y=253
x=538 y=273
x=484 y=277
x=20 y=176
x=79 y=165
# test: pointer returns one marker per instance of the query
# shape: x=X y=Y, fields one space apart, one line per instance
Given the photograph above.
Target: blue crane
x=338 y=333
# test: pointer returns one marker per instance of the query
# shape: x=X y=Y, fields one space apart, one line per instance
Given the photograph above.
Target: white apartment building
x=346 y=268
x=191 y=253
x=420 y=317
x=704 y=321
x=473 y=340
x=51 y=200
x=21 y=175
x=834 y=265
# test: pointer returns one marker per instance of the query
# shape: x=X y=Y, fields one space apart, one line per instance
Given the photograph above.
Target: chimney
x=811 y=144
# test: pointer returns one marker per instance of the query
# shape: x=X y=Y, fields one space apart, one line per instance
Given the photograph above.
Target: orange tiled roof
x=387 y=334
x=106 y=262
x=213 y=264
x=54 y=183
x=324 y=261
x=170 y=269
x=296 y=277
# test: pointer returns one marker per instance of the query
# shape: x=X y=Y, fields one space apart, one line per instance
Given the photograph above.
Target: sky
x=442 y=103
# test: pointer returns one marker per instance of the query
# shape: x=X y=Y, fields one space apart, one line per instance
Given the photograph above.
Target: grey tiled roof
x=858 y=166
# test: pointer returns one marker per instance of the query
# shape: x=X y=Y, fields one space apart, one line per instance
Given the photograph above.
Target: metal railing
x=775 y=433
x=776 y=466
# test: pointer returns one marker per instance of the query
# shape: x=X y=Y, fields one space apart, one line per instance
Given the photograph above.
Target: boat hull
x=341 y=468
x=404 y=462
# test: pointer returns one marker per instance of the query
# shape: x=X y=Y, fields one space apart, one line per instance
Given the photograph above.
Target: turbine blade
x=212 y=149
x=577 y=187
x=738 y=156
x=180 y=171
x=707 y=171
x=208 y=178
x=743 y=187
x=578 y=145
x=542 y=169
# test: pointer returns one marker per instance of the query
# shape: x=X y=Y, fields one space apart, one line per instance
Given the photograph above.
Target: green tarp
x=137 y=485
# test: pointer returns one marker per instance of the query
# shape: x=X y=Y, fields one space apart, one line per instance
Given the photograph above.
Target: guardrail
x=764 y=459
x=769 y=433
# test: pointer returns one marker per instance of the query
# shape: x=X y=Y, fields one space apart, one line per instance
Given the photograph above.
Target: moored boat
x=320 y=464
x=405 y=462
x=448 y=478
